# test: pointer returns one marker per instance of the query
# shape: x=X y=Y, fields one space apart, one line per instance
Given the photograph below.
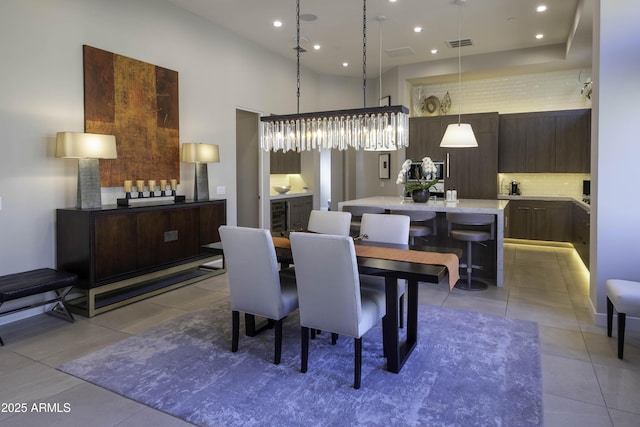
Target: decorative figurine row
x=152 y=190
x=128 y=187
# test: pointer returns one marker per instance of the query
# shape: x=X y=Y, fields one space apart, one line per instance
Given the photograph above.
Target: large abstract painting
x=138 y=103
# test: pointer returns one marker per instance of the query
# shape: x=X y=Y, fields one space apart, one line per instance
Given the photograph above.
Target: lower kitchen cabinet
x=291 y=213
x=540 y=220
x=581 y=221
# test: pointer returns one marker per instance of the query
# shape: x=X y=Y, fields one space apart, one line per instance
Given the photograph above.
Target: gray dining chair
x=330 y=222
x=331 y=299
x=385 y=228
x=256 y=286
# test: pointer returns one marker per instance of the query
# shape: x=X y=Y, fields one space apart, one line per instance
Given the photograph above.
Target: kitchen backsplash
x=544 y=184
x=548 y=91
x=294 y=180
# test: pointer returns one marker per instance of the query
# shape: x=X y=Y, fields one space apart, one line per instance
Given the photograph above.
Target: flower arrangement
x=427 y=180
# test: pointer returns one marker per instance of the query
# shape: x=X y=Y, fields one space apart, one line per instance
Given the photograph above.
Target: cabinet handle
x=447 y=165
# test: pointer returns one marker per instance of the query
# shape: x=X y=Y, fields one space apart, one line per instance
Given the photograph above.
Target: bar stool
x=418 y=227
x=356 y=215
x=470 y=236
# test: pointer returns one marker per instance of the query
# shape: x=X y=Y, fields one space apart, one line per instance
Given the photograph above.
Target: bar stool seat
x=418 y=227
x=356 y=215
x=470 y=236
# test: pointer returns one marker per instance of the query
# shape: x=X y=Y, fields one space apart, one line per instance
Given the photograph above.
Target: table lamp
x=200 y=154
x=87 y=148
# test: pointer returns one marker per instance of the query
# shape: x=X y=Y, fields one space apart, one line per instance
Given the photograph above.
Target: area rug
x=468 y=369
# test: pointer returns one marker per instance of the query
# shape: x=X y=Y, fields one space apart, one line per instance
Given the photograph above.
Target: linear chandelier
x=374 y=128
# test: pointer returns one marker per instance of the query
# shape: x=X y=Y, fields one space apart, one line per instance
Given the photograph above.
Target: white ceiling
x=493 y=25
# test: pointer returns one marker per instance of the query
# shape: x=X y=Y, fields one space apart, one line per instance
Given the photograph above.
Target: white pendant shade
x=459 y=135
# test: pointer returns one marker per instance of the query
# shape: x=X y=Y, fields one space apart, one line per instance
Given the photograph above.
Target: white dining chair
x=386 y=229
x=256 y=286
x=330 y=222
x=331 y=299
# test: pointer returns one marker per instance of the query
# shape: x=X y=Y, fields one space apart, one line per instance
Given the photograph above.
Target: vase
x=420 y=195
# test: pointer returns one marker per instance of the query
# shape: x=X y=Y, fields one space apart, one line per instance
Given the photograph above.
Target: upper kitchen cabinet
x=284 y=163
x=573 y=141
x=550 y=141
x=471 y=171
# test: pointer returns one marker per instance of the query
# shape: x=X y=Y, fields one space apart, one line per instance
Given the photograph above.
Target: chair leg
x=235 y=330
x=401 y=311
x=357 y=371
x=304 y=352
x=609 y=317
x=278 y=344
x=334 y=338
x=622 y=317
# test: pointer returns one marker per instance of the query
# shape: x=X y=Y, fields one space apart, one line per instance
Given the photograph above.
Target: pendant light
x=459 y=135
x=374 y=128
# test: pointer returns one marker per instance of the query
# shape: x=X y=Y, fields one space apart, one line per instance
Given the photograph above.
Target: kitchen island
x=484 y=206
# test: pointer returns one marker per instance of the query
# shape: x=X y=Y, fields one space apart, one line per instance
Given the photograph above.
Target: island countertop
x=486 y=206
x=490 y=206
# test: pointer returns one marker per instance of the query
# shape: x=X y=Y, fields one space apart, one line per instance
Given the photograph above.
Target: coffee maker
x=513 y=189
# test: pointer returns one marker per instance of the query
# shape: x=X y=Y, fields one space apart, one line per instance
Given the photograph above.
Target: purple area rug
x=469 y=369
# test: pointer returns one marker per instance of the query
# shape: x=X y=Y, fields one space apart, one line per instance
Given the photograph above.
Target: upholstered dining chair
x=330 y=222
x=331 y=299
x=386 y=229
x=256 y=286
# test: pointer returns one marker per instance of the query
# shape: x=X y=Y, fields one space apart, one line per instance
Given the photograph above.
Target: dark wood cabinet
x=471 y=171
x=284 y=162
x=580 y=238
x=539 y=220
x=113 y=249
x=573 y=141
x=550 y=141
x=299 y=211
x=291 y=213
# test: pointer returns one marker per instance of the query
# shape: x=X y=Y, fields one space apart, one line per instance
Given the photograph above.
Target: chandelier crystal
x=372 y=129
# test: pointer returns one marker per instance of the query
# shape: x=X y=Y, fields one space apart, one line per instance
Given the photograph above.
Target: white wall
x=42 y=93
x=615 y=227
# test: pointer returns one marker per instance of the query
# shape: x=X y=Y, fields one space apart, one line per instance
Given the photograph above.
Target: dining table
x=413 y=263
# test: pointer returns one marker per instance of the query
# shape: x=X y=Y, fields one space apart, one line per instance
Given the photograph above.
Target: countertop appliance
x=513 y=189
x=586 y=191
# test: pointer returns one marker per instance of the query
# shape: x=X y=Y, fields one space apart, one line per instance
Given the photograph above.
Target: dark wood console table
x=125 y=254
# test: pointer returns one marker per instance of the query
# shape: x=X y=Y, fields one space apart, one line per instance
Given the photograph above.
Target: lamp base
x=201 y=183
x=89 y=195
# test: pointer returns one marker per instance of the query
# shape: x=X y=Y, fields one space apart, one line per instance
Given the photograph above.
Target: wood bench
x=34 y=282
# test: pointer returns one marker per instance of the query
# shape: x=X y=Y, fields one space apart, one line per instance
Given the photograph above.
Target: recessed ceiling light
x=345 y=64
x=539 y=36
x=434 y=51
x=417 y=30
x=512 y=20
x=541 y=8
x=316 y=46
x=392 y=1
x=277 y=24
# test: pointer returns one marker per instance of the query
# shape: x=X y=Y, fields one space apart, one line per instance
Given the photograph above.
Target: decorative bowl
x=282 y=190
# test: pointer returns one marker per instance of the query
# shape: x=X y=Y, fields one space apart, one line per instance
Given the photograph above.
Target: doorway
x=247 y=168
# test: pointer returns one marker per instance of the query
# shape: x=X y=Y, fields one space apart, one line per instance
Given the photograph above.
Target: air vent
x=460 y=43
x=401 y=51
x=299 y=49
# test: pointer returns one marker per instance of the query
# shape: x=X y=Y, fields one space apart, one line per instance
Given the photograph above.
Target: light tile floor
x=584 y=382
